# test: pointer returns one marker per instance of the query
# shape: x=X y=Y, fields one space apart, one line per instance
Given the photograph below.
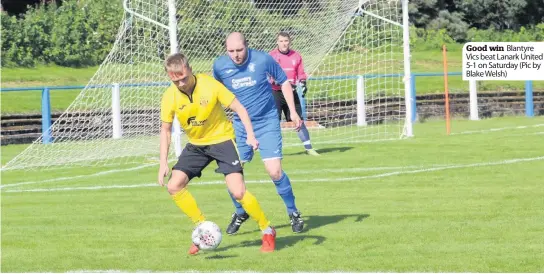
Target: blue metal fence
x=46 y=103
x=46 y=116
x=529 y=103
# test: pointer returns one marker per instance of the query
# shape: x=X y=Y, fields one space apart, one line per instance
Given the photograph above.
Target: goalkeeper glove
x=304 y=88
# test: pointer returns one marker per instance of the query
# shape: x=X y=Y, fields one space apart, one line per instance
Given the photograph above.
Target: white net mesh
x=339 y=40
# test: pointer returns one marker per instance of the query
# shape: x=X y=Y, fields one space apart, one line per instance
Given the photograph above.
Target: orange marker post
x=446 y=92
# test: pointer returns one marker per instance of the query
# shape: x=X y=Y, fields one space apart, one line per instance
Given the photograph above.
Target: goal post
x=172 y=35
x=356 y=54
x=408 y=129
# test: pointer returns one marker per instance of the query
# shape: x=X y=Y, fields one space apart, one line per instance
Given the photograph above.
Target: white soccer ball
x=207 y=235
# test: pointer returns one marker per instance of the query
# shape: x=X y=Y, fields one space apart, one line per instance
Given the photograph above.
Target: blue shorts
x=268 y=134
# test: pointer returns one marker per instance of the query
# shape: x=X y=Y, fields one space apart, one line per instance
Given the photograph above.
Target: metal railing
x=46 y=102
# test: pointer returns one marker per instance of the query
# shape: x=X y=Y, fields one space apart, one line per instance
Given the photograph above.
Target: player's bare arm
x=166 y=137
x=287 y=91
x=244 y=117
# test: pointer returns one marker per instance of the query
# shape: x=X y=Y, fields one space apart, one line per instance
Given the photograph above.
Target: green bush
x=421 y=39
x=76 y=34
x=15 y=51
x=529 y=34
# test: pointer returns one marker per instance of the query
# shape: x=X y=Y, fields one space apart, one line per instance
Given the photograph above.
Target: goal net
x=352 y=52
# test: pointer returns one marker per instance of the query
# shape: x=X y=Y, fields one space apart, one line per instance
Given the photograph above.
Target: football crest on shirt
x=204 y=101
x=251 y=67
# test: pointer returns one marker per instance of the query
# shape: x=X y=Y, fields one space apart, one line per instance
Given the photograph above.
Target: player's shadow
x=324 y=150
x=316 y=221
x=281 y=242
x=219 y=257
x=312 y=222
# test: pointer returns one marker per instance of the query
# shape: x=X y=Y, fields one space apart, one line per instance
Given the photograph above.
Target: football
x=207 y=235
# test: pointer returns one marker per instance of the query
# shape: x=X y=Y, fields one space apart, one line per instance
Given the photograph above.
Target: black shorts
x=194 y=159
x=282 y=106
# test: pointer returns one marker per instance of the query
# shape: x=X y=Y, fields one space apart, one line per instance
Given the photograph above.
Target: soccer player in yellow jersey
x=197 y=100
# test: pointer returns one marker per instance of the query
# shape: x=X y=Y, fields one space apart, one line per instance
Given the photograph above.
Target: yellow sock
x=187 y=203
x=253 y=209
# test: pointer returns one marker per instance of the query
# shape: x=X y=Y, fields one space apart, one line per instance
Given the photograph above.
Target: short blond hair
x=176 y=62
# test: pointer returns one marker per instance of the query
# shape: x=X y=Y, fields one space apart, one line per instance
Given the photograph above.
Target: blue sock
x=239 y=209
x=304 y=136
x=283 y=186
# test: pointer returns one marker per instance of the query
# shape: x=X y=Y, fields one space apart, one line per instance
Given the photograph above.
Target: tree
x=533 y=13
x=500 y=15
x=453 y=22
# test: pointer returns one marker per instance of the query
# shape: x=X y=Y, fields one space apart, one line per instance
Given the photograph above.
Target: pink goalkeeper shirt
x=291 y=63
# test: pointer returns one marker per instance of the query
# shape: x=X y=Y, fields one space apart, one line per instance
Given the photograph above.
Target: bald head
x=236 y=37
x=236 y=45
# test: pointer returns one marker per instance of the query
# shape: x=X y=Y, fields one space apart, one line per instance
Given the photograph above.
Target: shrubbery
x=421 y=39
x=74 y=34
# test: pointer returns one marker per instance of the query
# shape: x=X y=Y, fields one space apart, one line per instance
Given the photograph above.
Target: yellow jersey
x=201 y=115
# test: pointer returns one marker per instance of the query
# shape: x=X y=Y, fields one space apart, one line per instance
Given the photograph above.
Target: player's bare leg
x=236 y=186
x=284 y=189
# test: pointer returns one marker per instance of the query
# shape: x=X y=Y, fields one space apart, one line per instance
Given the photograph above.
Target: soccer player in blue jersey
x=245 y=73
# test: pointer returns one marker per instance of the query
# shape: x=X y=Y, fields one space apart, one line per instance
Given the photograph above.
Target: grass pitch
x=469 y=202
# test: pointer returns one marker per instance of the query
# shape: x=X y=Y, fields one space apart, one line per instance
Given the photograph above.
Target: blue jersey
x=249 y=82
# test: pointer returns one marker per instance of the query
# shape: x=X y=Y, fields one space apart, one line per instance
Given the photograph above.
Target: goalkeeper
x=291 y=63
x=197 y=100
x=245 y=72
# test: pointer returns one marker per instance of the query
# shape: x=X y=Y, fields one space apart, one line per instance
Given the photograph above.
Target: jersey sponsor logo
x=243 y=82
x=251 y=67
x=192 y=118
x=193 y=122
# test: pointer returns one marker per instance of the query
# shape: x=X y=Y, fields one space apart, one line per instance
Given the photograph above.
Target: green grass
x=373 y=207
x=46 y=76
x=41 y=76
x=30 y=101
